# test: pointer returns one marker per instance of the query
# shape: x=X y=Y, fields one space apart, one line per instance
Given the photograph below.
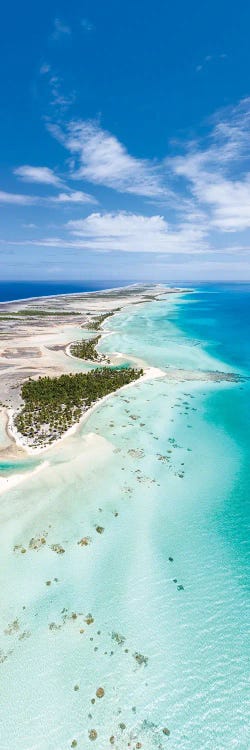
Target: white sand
x=7 y=483
x=149 y=374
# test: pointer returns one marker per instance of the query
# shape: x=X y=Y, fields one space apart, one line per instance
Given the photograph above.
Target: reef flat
x=38 y=339
x=123 y=547
x=53 y=405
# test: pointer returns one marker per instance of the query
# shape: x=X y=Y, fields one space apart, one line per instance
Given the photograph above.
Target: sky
x=125 y=135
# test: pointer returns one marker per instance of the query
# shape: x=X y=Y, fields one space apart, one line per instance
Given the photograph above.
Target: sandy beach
x=7 y=483
x=115 y=572
x=43 y=348
x=34 y=347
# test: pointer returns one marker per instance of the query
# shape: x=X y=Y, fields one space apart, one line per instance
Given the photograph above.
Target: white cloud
x=44 y=69
x=59 y=99
x=135 y=233
x=126 y=232
x=217 y=174
x=75 y=196
x=17 y=199
x=206 y=187
x=72 y=197
x=60 y=29
x=87 y=25
x=103 y=160
x=230 y=202
x=209 y=59
x=42 y=175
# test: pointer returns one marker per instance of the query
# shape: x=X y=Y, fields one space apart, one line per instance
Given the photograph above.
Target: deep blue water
x=219 y=314
x=14 y=290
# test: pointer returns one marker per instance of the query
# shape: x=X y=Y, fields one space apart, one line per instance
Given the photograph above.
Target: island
x=87 y=350
x=47 y=379
x=53 y=405
x=47 y=351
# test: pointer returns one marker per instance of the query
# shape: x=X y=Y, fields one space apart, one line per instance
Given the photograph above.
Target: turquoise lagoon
x=162 y=468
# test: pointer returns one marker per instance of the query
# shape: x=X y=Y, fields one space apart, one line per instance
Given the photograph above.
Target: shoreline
x=172 y=375
x=7 y=483
x=124 y=555
x=20 y=442
x=74 y=294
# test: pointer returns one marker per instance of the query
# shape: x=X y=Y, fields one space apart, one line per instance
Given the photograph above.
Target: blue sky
x=125 y=140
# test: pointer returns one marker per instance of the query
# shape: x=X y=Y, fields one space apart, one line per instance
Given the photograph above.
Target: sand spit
x=40 y=345
x=36 y=345
x=7 y=483
x=95 y=451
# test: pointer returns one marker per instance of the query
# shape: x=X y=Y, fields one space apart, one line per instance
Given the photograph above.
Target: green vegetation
x=97 y=322
x=29 y=311
x=52 y=405
x=38 y=313
x=86 y=349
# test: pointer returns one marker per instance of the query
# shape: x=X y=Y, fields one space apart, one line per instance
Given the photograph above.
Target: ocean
x=17 y=290
x=154 y=609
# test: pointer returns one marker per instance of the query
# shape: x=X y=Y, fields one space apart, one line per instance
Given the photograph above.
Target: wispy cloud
x=58 y=99
x=46 y=176
x=100 y=158
x=61 y=29
x=17 y=199
x=204 y=190
x=229 y=202
x=74 y=196
x=217 y=174
x=42 y=175
x=87 y=25
x=44 y=69
x=208 y=59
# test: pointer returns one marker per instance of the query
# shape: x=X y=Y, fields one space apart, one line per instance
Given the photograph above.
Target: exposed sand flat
x=7 y=483
x=44 y=349
x=92 y=301
x=20 y=442
x=36 y=344
x=96 y=450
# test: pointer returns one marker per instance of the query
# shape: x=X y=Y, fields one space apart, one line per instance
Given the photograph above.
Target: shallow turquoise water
x=172 y=461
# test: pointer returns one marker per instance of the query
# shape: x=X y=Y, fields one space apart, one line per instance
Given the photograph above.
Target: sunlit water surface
x=154 y=609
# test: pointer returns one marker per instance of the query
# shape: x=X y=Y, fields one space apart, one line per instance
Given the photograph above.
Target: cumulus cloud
x=205 y=191
x=207 y=183
x=130 y=232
